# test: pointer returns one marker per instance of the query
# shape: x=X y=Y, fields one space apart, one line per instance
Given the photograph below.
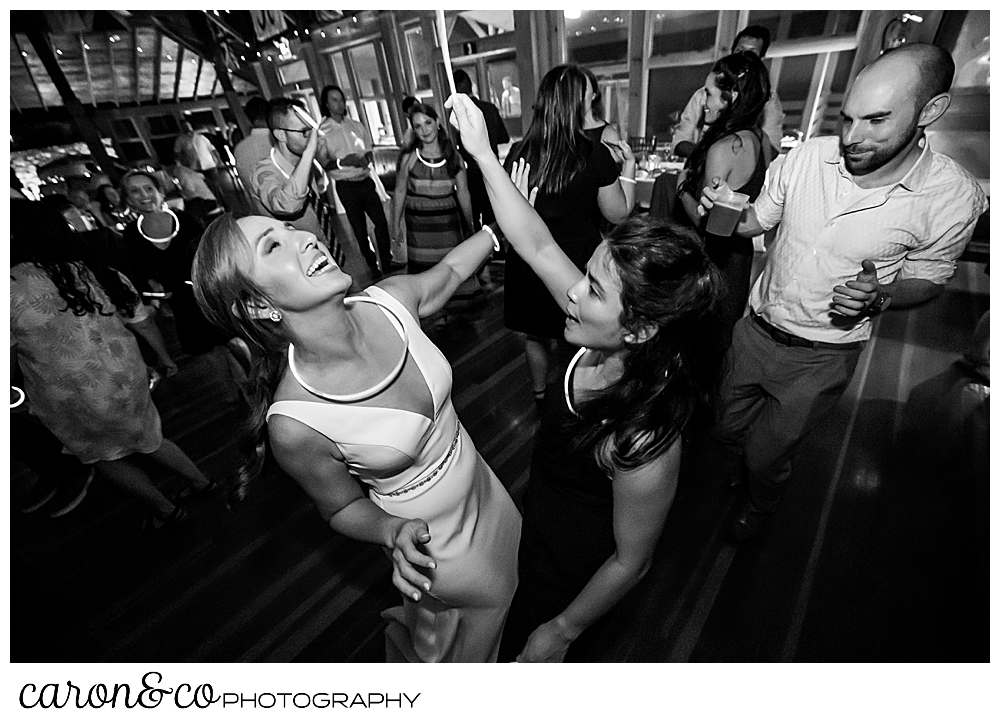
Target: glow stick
x=307 y=119
x=443 y=40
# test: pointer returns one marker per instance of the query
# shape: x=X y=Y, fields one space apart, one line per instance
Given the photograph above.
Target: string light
x=138 y=49
x=58 y=51
x=86 y=46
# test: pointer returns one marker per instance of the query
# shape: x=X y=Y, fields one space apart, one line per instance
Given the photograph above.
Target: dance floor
x=870 y=558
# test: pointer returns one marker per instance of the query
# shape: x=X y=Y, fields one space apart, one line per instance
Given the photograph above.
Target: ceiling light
x=572 y=14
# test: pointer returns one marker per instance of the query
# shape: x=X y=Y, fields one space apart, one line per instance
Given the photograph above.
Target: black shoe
x=747 y=523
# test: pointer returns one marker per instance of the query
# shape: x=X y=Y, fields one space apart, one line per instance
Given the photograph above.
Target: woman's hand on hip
x=407 y=557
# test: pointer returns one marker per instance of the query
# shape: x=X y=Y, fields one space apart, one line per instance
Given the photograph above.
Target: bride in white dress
x=351 y=389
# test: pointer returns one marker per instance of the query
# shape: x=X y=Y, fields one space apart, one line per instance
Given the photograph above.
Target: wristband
x=488 y=228
x=627 y=180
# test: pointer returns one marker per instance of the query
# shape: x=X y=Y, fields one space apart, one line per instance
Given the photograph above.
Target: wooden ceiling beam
x=114 y=74
x=27 y=68
x=197 y=77
x=86 y=68
x=177 y=73
x=157 y=64
x=135 y=62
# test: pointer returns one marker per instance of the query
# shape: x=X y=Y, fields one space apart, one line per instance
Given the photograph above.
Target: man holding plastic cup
x=870 y=217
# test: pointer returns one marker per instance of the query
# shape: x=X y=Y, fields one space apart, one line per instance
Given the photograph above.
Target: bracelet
x=496 y=240
x=627 y=180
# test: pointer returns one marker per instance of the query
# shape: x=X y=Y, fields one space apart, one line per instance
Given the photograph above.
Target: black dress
x=171 y=267
x=733 y=255
x=567 y=529
x=574 y=219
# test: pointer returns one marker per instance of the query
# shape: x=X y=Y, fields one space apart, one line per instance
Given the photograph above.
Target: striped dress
x=433 y=218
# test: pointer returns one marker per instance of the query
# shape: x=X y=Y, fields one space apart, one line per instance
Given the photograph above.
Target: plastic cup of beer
x=725 y=213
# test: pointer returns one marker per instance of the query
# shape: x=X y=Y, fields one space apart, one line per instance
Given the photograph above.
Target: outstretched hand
x=519 y=175
x=471 y=124
x=407 y=557
x=855 y=296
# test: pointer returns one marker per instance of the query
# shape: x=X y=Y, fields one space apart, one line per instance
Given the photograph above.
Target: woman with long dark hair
x=595 y=125
x=432 y=193
x=579 y=184
x=732 y=151
x=349 y=388
x=74 y=325
x=606 y=461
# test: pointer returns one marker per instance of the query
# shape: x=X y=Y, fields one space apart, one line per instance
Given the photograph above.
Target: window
x=598 y=37
x=504 y=87
x=420 y=61
x=669 y=91
x=372 y=88
x=678 y=31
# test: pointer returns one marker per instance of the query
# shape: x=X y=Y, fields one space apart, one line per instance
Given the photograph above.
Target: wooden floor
x=848 y=570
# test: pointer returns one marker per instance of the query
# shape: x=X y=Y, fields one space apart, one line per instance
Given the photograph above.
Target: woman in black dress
x=162 y=243
x=731 y=150
x=579 y=183
x=605 y=466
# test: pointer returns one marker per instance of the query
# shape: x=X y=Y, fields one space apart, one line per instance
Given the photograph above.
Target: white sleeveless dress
x=429 y=468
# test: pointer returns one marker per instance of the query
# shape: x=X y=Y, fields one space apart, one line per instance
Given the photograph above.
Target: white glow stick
x=442 y=29
x=307 y=119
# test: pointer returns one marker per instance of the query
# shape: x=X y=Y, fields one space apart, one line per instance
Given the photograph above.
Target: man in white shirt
x=753 y=39
x=872 y=217
x=254 y=148
x=349 y=148
x=289 y=184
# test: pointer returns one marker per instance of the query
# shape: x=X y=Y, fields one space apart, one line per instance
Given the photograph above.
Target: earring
x=275 y=315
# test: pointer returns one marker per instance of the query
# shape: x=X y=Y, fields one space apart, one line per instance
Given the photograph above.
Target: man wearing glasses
x=289 y=184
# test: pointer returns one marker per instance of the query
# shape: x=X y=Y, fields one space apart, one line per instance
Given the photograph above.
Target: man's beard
x=881 y=156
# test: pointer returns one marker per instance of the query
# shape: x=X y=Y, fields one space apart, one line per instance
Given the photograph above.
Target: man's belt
x=786 y=339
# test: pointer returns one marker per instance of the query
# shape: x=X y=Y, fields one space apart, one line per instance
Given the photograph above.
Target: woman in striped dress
x=433 y=194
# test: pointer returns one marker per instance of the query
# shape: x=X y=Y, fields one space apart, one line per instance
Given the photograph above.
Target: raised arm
x=522 y=226
x=642 y=499
x=427 y=292
x=310 y=460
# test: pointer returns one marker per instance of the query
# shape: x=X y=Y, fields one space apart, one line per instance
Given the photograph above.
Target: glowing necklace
x=371 y=391
x=430 y=164
x=568 y=376
x=168 y=239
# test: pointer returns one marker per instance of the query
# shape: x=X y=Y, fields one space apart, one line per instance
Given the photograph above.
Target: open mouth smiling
x=319 y=266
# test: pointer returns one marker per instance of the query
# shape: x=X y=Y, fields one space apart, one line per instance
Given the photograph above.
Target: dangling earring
x=275 y=315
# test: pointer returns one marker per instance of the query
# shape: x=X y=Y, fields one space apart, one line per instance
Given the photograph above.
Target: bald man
x=872 y=218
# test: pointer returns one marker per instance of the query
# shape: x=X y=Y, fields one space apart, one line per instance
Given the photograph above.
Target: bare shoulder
x=404 y=288
x=610 y=134
x=734 y=145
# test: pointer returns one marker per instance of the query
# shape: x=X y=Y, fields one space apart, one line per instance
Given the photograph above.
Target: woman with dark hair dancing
x=732 y=151
x=73 y=326
x=578 y=181
x=350 y=388
x=606 y=461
